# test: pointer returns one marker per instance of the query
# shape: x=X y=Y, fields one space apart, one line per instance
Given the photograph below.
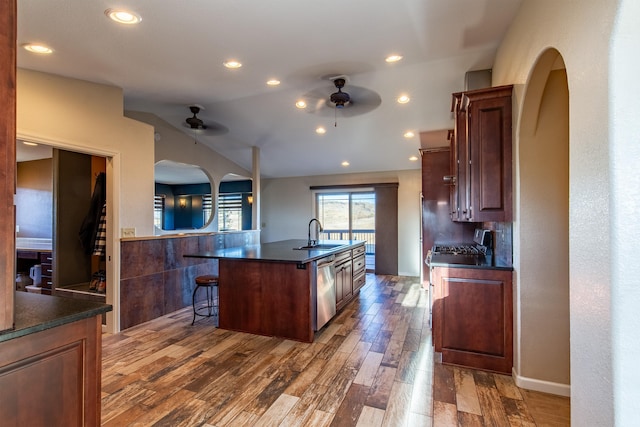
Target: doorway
x=68 y=234
x=349 y=215
x=541 y=232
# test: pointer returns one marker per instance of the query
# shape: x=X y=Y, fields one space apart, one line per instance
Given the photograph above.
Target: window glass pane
x=333 y=211
x=158 y=211
x=230 y=212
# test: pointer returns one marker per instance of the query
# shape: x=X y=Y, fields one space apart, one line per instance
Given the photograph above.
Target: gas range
x=478 y=252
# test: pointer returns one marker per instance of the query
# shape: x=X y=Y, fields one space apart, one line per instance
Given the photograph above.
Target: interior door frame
x=113 y=218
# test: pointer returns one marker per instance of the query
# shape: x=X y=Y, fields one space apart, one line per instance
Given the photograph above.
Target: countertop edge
x=36 y=313
x=312 y=254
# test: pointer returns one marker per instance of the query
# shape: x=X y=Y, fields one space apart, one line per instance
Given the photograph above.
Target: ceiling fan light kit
x=194 y=122
x=340 y=98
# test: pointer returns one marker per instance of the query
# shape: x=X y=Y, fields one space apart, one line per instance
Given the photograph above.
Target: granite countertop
x=464 y=261
x=282 y=251
x=37 y=312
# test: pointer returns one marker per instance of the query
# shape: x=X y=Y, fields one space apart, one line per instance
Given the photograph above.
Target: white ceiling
x=173 y=59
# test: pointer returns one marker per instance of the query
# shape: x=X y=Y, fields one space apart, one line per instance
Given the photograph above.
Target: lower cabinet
x=53 y=377
x=473 y=317
x=350 y=275
x=344 y=279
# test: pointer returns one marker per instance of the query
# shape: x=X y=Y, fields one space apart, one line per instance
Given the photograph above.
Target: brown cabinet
x=359 y=268
x=52 y=377
x=344 y=278
x=481 y=155
x=473 y=317
x=350 y=274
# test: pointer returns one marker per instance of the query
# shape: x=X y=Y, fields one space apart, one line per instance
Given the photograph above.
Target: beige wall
x=287 y=207
x=86 y=117
x=595 y=45
x=542 y=340
x=172 y=144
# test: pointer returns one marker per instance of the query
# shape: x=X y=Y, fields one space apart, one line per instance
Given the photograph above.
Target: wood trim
x=345 y=186
x=8 y=18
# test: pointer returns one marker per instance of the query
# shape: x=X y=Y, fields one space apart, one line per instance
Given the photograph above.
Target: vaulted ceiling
x=174 y=58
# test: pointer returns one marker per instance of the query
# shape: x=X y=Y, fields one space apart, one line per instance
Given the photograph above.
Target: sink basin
x=319 y=246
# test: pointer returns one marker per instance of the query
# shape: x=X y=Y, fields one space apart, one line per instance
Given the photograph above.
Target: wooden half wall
x=155 y=277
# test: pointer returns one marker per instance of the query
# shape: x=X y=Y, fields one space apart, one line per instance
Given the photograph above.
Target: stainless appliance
x=325 y=291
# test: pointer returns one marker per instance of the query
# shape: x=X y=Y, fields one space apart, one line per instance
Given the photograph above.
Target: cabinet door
x=489 y=121
x=472 y=317
x=457 y=199
x=481 y=148
x=344 y=283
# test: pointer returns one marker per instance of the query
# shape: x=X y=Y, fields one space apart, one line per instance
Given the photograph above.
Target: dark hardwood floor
x=372 y=365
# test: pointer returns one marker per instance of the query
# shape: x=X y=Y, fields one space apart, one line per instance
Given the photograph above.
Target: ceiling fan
x=198 y=125
x=194 y=122
x=353 y=101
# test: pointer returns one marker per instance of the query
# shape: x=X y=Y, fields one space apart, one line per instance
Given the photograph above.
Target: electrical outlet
x=128 y=232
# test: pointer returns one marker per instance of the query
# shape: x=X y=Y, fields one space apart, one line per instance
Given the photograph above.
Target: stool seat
x=207 y=279
x=210 y=307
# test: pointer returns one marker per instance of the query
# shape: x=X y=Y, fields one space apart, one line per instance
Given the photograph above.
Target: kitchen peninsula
x=272 y=289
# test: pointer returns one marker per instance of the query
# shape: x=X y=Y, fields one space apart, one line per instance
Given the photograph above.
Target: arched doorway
x=541 y=231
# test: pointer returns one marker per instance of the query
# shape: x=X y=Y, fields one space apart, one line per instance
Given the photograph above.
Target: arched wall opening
x=542 y=347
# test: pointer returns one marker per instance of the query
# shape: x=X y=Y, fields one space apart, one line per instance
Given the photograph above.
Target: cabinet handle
x=449 y=179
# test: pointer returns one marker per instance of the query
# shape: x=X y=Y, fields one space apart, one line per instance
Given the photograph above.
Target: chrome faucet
x=318 y=230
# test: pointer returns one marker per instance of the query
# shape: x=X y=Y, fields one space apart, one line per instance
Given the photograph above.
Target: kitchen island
x=270 y=289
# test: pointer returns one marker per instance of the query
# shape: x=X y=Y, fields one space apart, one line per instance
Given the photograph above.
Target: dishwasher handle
x=326 y=262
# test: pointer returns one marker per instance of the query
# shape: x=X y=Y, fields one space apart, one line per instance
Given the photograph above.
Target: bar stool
x=208 y=282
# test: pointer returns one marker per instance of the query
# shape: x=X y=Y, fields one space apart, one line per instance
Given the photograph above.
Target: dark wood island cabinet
x=269 y=289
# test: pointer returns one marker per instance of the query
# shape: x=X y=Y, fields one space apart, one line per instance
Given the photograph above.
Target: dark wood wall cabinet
x=481 y=147
x=473 y=317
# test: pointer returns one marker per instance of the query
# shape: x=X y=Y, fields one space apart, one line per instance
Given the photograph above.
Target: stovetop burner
x=460 y=249
x=481 y=245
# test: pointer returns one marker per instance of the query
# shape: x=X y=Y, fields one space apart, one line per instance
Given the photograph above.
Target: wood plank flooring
x=372 y=365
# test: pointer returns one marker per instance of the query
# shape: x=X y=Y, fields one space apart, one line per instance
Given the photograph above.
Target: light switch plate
x=128 y=232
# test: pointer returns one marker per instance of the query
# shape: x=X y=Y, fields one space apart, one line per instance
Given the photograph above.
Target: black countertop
x=282 y=251
x=464 y=261
x=36 y=312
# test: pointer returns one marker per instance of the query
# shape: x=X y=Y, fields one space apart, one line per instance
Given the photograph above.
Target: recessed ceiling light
x=301 y=104
x=413 y=158
x=37 y=48
x=122 y=16
x=345 y=163
x=393 y=58
x=409 y=134
x=232 y=63
x=403 y=99
x=32 y=144
x=320 y=130
x=273 y=82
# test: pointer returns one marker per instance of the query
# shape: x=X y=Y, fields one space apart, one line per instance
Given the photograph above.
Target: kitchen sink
x=325 y=246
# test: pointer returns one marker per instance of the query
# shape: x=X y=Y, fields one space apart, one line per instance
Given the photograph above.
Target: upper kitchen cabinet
x=481 y=150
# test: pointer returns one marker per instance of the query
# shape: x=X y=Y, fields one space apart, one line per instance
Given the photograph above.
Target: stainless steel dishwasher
x=325 y=291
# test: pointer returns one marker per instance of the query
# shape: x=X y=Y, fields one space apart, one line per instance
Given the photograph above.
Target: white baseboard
x=541 y=385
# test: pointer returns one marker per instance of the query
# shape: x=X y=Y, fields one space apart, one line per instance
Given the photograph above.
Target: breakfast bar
x=279 y=288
